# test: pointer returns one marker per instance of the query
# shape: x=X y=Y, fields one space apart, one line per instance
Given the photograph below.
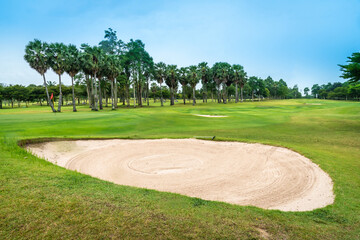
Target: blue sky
x=299 y=41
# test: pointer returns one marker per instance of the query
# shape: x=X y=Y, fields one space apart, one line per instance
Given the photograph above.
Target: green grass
x=41 y=200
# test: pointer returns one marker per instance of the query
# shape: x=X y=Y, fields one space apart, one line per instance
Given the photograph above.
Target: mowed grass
x=41 y=200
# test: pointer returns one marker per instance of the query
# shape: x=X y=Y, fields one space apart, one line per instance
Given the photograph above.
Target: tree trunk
x=147 y=94
x=241 y=92
x=252 y=96
x=95 y=104
x=1 y=104
x=112 y=95
x=128 y=95
x=40 y=102
x=106 y=98
x=194 y=96
x=224 y=93
x=88 y=90
x=47 y=95
x=134 y=96
x=92 y=104
x=140 y=96
x=115 y=93
x=183 y=93
x=219 y=94
x=236 y=93
x=172 y=96
x=205 y=93
x=100 y=95
x=162 y=104
x=60 y=95
x=73 y=94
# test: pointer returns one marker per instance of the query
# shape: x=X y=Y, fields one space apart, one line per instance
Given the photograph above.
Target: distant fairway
x=41 y=200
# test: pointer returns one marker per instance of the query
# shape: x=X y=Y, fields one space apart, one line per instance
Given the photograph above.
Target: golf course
x=43 y=199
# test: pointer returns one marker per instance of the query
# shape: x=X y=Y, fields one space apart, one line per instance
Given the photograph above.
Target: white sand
x=240 y=173
x=210 y=116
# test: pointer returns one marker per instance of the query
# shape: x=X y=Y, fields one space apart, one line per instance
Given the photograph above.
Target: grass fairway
x=41 y=200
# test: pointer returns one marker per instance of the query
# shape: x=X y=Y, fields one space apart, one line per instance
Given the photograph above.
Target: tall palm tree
x=243 y=81
x=183 y=80
x=204 y=74
x=172 y=73
x=238 y=75
x=91 y=59
x=86 y=62
x=146 y=69
x=160 y=72
x=225 y=77
x=100 y=75
x=149 y=73
x=193 y=80
x=36 y=56
x=57 y=52
x=73 y=66
x=220 y=76
x=113 y=70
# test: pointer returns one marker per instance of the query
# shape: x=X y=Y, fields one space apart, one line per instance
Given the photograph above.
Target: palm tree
x=148 y=74
x=91 y=61
x=73 y=66
x=243 y=81
x=253 y=86
x=193 y=80
x=172 y=80
x=146 y=69
x=225 y=77
x=86 y=62
x=204 y=74
x=183 y=80
x=160 y=73
x=100 y=74
x=36 y=56
x=57 y=52
x=221 y=74
x=113 y=70
x=239 y=75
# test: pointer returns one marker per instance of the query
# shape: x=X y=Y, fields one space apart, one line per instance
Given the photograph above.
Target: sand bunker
x=240 y=173
x=210 y=116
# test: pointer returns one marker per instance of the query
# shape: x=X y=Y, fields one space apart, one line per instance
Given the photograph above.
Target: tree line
x=129 y=70
x=123 y=71
x=336 y=91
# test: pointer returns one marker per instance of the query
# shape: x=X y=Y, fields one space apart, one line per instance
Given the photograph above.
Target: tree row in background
x=123 y=71
x=335 y=91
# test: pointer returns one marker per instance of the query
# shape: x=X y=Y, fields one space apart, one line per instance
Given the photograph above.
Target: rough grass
x=41 y=200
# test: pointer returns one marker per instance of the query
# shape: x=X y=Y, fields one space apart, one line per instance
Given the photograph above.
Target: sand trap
x=240 y=173
x=210 y=116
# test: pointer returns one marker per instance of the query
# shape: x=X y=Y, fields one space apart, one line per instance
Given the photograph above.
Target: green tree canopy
x=351 y=71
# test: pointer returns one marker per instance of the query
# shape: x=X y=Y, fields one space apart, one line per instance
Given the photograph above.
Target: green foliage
x=337 y=91
x=351 y=70
x=36 y=54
